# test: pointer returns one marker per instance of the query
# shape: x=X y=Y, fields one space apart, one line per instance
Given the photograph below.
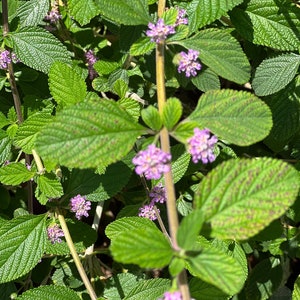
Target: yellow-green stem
x=75 y=256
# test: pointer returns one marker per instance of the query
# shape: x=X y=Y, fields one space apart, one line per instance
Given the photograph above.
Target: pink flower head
x=201 y=145
x=90 y=59
x=181 y=20
x=188 y=63
x=152 y=162
x=54 y=233
x=159 y=31
x=80 y=206
x=147 y=211
x=158 y=194
x=172 y=296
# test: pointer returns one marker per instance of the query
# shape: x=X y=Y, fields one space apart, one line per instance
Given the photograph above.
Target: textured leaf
x=49 y=292
x=99 y=187
x=132 y=106
x=22 y=246
x=118 y=286
x=145 y=246
x=127 y=12
x=259 y=192
x=206 y=80
x=38 y=48
x=142 y=46
x=5 y=146
x=28 y=130
x=49 y=186
x=296 y=291
x=221 y=53
x=202 y=290
x=203 y=12
x=105 y=67
x=66 y=86
x=83 y=10
x=151 y=117
x=274 y=74
x=172 y=112
x=15 y=173
x=189 y=229
x=236 y=116
x=224 y=272
x=149 y=289
x=31 y=13
x=90 y=134
x=269 y=23
x=286 y=116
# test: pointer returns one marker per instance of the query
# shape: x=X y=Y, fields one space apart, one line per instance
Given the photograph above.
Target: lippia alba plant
x=149 y=149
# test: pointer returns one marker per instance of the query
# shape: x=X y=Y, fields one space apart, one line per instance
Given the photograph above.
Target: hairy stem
x=165 y=146
x=75 y=256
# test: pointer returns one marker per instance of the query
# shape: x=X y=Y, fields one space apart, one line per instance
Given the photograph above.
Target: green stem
x=75 y=256
x=165 y=146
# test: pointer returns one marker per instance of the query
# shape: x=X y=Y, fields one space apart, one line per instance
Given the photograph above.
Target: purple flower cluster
x=152 y=162
x=53 y=15
x=80 y=206
x=6 y=57
x=159 y=31
x=54 y=233
x=90 y=59
x=188 y=63
x=157 y=195
x=172 y=296
x=181 y=20
x=201 y=145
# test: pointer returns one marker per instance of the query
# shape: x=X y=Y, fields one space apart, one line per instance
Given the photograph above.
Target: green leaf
x=206 y=267
x=83 y=10
x=206 y=80
x=145 y=246
x=38 y=48
x=296 y=291
x=5 y=146
x=66 y=86
x=264 y=279
x=172 y=112
x=48 y=187
x=22 y=246
x=99 y=187
x=142 y=46
x=118 y=286
x=202 y=290
x=149 y=289
x=120 y=88
x=105 y=67
x=132 y=106
x=272 y=23
x=15 y=173
x=221 y=53
x=89 y=135
x=127 y=12
x=151 y=117
x=260 y=191
x=189 y=229
x=49 y=292
x=176 y=266
x=29 y=129
x=184 y=130
x=32 y=13
x=274 y=74
x=236 y=116
x=82 y=235
x=124 y=225
x=203 y=12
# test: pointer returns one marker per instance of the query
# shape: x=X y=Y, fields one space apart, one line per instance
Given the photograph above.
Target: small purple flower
x=147 y=211
x=188 y=63
x=80 y=206
x=53 y=15
x=158 y=194
x=54 y=233
x=90 y=59
x=172 y=296
x=201 y=145
x=152 y=162
x=5 y=59
x=181 y=20
x=159 y=31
